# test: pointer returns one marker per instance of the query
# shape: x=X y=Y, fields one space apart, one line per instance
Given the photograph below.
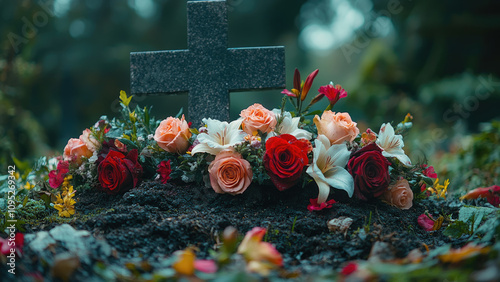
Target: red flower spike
x=296 y=79
x=308 y=84
x=314 y=206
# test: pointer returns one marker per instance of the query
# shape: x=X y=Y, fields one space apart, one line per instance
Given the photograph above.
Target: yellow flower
x=17 y=175
x=185 y=263
x=65 y=205
x=438 y=189
x=68 y=191
x=408 y=118
x=29 y=186
x=133 y=117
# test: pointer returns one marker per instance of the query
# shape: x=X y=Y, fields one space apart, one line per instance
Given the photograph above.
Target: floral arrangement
x=278 y=147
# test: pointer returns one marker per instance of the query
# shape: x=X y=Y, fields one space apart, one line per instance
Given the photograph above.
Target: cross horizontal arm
x=256 y=68
x=159 y=72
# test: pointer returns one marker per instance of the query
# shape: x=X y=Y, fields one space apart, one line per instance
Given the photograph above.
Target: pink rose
x=90 y=141
x=399 y=195
x=75 y=150
x=258 y=118
x=173 y=135
x=229 y=173
x=337 y=127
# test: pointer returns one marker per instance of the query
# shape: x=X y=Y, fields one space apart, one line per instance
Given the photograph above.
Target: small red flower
x=333 y=92
x=16 y=243
x=56 y=177
x=429 y=171
x=314 y=206
x=164 y=171
x=349 y=268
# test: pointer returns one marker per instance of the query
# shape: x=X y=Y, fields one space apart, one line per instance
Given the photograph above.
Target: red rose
x=285 y=158
x=370 y=171
x=119 y=173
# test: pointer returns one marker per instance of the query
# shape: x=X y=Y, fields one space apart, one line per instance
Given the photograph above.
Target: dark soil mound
x=154 y=220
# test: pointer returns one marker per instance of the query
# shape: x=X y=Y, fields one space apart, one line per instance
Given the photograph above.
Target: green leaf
x=457 y=229
x=428 y=180
x=473 y=215
x=115 y=133
x=146 y=117
x=25 y=201
x=130 y=145
x=490 y=228
x=179 y=114
x=21 y=165
x=124 y=99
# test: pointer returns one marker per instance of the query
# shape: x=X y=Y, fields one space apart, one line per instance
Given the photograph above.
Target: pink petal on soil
x=205 y=265
x=425 y=222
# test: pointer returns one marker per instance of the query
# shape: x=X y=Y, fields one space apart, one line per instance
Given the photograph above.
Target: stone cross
x=207 y=70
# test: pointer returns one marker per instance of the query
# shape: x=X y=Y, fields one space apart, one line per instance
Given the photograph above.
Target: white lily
x=220 y=136
x=391 y=144
x=289 y=125
x=327 y=168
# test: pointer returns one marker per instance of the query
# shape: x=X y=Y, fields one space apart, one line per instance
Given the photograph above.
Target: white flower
x=289 y=125
x=391 y=144
x=151 y=136
x=327 y=168
x=192 y=166
x=220 y=136
x=93 y=159
x=140 y=139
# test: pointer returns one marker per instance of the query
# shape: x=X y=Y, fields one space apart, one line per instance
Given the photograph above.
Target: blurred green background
x=63 y=63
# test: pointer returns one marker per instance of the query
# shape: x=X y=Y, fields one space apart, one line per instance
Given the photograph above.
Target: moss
x=32 y=211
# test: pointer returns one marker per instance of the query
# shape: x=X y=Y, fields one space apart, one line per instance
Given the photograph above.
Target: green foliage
x=32 y=210
x=478 y=163
x=469 y=219
x=255 y=156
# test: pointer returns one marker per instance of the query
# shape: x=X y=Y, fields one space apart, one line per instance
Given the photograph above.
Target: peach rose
x=173 y=134
x=75 y=150
x=89 y=140
x=399 y=195
x=337 y=127
x=258 y=118
x=229 y=173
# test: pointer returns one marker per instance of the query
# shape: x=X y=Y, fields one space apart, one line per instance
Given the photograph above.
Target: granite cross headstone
x=207 y=70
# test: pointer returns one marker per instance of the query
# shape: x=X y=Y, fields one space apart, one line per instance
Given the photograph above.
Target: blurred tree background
x=63 y=63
